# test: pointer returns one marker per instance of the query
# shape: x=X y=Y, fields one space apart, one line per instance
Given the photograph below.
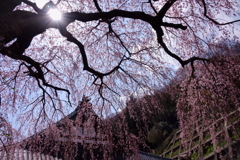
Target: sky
x=41 y=3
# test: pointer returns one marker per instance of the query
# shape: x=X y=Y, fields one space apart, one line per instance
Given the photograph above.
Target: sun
x=55 y=14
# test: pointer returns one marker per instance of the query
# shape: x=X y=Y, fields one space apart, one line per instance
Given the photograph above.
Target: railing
x=201 y=145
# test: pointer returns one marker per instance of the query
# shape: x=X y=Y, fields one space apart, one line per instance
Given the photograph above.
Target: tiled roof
x=20 y=154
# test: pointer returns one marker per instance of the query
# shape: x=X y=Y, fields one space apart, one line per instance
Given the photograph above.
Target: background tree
x=211 y=92
x=106 y=49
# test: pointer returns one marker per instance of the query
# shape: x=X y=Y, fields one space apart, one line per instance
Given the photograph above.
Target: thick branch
x=154 y=21
x=182 y=62
x=97 y=5
x=165 y=8
x=176 y=26
x=70 y=38
x=33 y=5
x=86 y=17
x=8 y=5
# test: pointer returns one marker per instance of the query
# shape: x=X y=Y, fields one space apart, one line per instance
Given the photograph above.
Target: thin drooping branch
x=150 y=1
x=211 y=19
x=38 y=74
x=4 y=146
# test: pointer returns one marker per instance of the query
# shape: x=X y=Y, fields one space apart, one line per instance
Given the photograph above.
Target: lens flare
x=55 y=14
